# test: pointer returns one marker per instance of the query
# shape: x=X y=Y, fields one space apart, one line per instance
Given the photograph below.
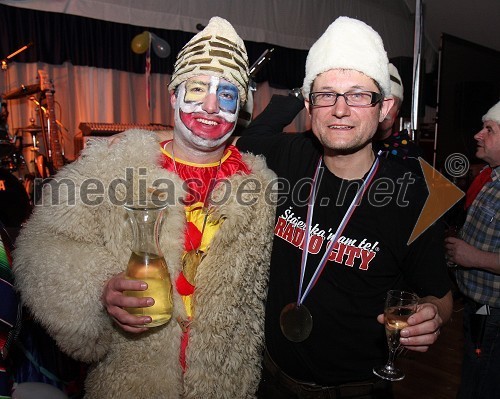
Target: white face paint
x=206 y=111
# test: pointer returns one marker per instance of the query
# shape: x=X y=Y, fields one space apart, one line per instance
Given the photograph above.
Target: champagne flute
x=399 y=305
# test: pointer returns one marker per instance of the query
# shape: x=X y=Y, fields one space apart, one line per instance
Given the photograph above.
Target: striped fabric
x=8 y=308
x=9 y=321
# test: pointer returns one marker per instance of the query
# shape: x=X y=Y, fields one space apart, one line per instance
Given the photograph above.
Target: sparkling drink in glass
x=399 y=305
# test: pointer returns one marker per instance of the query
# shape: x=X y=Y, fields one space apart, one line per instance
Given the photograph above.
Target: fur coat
x=78 y=237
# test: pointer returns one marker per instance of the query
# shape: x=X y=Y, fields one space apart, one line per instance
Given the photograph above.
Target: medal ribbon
x=310 y=210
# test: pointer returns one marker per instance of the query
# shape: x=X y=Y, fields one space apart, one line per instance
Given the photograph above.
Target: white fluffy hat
x=215 y=51
x=348 y=44
x=396 y=82
x=493 y=114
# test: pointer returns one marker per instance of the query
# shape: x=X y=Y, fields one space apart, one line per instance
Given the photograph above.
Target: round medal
x=296 y=322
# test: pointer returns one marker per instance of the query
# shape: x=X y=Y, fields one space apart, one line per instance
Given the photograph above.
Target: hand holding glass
x=451 y=231
x=399 y=305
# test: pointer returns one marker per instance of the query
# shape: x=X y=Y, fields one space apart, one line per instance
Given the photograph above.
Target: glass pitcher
x=147 y=263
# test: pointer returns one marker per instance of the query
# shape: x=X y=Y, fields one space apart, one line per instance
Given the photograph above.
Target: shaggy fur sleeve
x=72 y=245
x=61 y=281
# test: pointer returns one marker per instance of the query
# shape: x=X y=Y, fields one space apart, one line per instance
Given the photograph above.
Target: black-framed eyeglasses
x=352 y=98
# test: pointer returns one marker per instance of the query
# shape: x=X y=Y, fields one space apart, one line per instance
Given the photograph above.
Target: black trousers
x=275 y=384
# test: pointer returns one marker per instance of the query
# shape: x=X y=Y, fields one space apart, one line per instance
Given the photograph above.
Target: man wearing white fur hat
x=477 y=253
x=324 y=331
x=216 y=240
x=388 y=139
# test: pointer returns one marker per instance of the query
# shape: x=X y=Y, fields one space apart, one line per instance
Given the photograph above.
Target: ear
x=384 y=109
x=173 y=98
x=307 y=104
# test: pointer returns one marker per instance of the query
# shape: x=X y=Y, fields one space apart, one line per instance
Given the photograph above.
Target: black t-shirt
x=371 y=257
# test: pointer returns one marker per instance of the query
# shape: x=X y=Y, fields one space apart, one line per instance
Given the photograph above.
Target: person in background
x=338 y=246
x=279 y=113
x=70 y=256
x=477 y=253
x=391 y=141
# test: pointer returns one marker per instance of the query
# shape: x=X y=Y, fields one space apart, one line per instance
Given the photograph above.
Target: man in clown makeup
x=216 y=240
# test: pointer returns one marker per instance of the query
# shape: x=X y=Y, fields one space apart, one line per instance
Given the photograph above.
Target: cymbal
x=23 y=91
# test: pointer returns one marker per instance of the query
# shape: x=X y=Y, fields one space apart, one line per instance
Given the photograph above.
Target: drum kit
x=22 y=161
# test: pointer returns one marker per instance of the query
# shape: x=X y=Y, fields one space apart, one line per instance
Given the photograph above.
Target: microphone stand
x=12 y=55
x=5 y=61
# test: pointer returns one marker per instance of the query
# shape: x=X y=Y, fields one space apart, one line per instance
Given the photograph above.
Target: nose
x=479 y=135
x=210 y=104
x=341 y=108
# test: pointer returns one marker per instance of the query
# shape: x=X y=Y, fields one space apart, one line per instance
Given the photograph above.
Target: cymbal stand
x=42 y=112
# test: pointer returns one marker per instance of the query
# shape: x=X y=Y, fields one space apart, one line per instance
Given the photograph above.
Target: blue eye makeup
x=227 y=96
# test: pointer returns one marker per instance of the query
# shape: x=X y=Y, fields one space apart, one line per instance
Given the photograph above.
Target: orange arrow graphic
x=443 y=194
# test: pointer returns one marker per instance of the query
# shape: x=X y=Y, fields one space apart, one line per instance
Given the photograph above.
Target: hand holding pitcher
x=147 y=264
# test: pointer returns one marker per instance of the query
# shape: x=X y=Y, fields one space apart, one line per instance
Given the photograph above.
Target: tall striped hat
x=215 y=51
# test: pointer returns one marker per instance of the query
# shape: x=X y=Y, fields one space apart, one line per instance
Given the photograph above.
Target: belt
x=305 y=390
x=493 y=311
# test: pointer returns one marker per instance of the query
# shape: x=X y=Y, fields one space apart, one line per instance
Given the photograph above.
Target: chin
x=346 y=151
x=347 y=148
x=209 y=143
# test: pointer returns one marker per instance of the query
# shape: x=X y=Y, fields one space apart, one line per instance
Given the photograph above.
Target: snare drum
x=15 y=204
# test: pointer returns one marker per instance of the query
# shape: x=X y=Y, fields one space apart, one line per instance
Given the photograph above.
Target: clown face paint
x=206 y=110
x=226 y=94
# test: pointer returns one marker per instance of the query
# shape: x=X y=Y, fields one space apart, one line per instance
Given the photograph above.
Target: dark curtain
x=59 y=38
